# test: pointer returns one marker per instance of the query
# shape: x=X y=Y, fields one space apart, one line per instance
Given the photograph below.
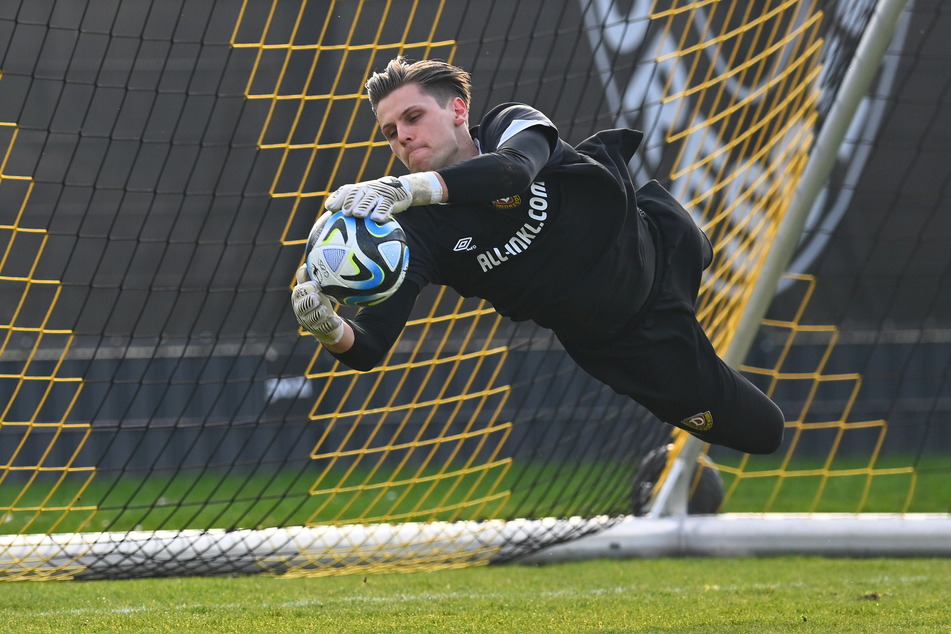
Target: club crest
x=509 y=202
x=699 y=422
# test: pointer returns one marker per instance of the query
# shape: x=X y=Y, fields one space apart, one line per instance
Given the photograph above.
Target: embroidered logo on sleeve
x=509 y=202
x=524 y=236
x=699 y=422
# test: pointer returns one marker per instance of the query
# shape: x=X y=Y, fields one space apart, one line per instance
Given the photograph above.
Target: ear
x=460 y=111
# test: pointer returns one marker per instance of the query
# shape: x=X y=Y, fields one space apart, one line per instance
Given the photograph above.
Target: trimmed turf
x=663 y=595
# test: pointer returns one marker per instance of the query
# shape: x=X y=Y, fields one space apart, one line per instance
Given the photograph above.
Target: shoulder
x=508 y=119
x=514 y=110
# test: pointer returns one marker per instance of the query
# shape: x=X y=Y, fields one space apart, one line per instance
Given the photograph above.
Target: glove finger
x=314 y=313
x=357 y=204
x=302 y=275
x=336 y=200
x=305 y=289
x=367 y=205
x=309 y=311
x=381 y=214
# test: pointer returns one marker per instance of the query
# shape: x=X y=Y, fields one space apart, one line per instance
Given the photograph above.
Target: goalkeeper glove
x=383 y=197
x=314 y=311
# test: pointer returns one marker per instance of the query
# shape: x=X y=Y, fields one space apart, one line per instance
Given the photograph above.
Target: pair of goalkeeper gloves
x=379 y=199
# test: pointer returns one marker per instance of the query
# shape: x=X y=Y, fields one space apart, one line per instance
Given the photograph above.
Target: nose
x=404 y=135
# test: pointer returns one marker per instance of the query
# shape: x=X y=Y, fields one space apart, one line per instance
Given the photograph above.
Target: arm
x=509 y=169
x=374 y=330
x=360 y=343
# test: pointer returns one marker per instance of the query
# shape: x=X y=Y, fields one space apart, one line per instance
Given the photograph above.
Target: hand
x=315 y=312
x=379 y=199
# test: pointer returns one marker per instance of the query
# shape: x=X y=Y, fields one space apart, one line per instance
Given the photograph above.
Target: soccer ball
x=355 y=260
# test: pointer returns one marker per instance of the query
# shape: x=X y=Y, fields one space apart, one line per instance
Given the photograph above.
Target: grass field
x=662 y=595
x=665 y=595
x=190 y=500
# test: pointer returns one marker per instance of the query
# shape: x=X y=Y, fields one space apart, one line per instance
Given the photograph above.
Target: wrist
x=424 y=187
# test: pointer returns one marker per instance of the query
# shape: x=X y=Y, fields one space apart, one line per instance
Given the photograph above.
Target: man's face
x=423 y=135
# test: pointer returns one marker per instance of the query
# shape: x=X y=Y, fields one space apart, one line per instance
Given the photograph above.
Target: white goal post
x=308 y=549
x=668 y=530
x=770 y=534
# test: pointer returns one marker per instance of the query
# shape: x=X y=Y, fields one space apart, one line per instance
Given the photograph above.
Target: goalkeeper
x=508 y=212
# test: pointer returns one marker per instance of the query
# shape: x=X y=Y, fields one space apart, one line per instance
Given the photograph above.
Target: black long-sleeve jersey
x=542 y=230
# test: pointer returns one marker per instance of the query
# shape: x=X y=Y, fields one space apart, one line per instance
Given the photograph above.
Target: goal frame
x=667 y=529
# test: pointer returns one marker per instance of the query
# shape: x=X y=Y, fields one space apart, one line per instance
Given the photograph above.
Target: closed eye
x=390 y=131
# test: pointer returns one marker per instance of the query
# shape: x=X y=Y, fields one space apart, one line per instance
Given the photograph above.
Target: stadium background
x=153 y=188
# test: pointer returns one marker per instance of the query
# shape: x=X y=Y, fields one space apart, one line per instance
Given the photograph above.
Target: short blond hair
x=439 y=79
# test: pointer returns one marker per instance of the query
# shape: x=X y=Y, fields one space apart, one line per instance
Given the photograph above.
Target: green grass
x=665 y=595
x=189 y=500
x=843 y=487
x=93 y=503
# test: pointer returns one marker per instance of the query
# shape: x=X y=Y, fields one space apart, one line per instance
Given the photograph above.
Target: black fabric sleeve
x=376 y=328
x=508 y=170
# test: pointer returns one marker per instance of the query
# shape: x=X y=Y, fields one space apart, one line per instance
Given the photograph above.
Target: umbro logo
x=464 y=244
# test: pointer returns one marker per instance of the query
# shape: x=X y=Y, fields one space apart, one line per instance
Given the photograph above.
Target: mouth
x=414 y=155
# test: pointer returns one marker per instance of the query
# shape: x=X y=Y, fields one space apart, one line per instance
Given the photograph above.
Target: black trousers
x=665 y=361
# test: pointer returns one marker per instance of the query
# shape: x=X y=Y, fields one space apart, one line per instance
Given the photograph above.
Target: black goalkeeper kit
x=613 y=271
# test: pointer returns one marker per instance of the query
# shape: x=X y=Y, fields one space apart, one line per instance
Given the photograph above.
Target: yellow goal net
x=160 y=168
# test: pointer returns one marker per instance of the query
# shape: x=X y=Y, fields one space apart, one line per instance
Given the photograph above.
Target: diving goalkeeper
x=509 y=212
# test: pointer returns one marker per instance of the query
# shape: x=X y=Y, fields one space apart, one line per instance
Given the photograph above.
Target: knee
x=759 y=432
x=768 y=441
x=764 y=435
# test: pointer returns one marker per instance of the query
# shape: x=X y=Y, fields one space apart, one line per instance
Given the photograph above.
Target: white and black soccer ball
x=355 y=260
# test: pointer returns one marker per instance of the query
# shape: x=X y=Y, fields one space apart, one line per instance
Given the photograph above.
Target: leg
x=670 y=367
x=665 y=361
